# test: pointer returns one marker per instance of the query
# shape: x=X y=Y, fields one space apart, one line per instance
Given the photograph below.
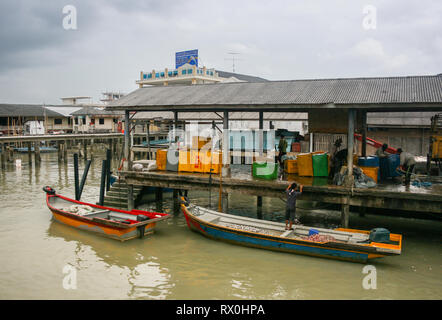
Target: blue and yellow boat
x=344 y=244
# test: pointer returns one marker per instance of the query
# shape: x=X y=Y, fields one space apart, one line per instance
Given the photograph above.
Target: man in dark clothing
x=290 y=210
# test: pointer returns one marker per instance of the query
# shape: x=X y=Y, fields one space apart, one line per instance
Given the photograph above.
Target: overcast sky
x=41 y=61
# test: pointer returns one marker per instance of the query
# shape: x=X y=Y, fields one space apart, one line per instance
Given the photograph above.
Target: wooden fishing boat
x=114 y=223
x=343 y=244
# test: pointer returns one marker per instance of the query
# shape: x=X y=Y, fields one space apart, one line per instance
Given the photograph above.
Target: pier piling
x=259 y=207
x=37 y=152
x=3 y=156
x=29 y=153
x=130 y=197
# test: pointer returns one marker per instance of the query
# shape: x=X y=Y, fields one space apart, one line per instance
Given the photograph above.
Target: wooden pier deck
x=392 y=197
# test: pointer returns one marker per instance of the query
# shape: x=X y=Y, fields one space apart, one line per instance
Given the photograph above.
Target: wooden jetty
x=392 y=199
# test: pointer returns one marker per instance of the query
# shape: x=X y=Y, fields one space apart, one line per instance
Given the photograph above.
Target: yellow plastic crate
x=161 y=159
x=184 y=163
x=305 y=166
x=291 y=166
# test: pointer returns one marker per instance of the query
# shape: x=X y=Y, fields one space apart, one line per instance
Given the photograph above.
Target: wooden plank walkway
x=395 y=198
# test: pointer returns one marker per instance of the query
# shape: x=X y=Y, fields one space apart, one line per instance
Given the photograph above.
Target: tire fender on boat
x=49 y=190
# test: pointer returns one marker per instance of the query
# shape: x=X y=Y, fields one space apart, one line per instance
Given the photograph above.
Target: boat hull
x=275 y=243
x=110 y=222
x=107 y=231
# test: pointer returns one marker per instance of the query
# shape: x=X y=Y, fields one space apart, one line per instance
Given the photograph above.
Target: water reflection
x=144 y=274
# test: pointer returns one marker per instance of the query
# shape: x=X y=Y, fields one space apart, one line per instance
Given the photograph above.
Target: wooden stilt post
x=350 y=145
x=37 y=152
x=130 y=197
x=65 y=152
x=76 y=178
x=345 y=214
x=85 y=148
x=259 y=207
x=29 y=153
x=102 y=182
x=364 y=133
x=3 y=156
x=127 y=163
x=176 y=203
x=225 y=202
x=159 y=198
x=226 y=146
x=59 y=151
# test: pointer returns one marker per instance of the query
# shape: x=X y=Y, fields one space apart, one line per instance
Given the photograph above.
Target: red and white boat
x=110 y=222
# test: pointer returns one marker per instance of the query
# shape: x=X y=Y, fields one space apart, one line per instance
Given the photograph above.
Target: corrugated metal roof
x=92 y=110
x=209 y=116
x=26 y=110
x=243 y=77
x=392 y=90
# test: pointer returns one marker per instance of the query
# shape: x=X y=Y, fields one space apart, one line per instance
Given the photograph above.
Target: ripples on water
x=175 y=263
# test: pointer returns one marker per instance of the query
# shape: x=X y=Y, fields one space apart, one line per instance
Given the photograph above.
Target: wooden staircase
x=116 y=197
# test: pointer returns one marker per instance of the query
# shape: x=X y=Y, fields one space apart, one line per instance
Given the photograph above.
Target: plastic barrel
x=320 y=165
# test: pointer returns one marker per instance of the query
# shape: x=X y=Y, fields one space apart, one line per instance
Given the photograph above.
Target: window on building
x=189 y=71
x=184 y=71
x=58 y=121
x=101 y=121
x=83 y=120
x=76 y=120
x=69 y=121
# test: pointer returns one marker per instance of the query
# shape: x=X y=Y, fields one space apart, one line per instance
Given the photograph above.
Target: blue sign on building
x=183 y=57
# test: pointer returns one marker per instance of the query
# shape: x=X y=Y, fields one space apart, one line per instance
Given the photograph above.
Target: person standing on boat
x=290 y=210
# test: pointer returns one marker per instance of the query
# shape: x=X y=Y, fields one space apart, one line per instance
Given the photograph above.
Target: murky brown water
x=176 y=263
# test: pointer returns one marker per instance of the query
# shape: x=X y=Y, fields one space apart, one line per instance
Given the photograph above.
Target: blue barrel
x=393 y=162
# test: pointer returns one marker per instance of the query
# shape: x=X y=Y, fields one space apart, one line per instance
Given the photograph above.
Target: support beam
x=176 y=203
x=37 y=152
x=3 y=156
x=85 y=148
x=259 y=207
x=225 y=202
x=29 y=153
x=345 y=214
x=350 y=146
x=364 y=133
x=127 y=163
x=261 y=134
x=175 y=126
x=130 y=197
x=226 y=146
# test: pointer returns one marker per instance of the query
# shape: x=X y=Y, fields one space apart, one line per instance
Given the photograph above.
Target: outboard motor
x=380 y=235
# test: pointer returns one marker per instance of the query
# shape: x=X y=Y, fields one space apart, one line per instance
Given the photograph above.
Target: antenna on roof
x=233 y=59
